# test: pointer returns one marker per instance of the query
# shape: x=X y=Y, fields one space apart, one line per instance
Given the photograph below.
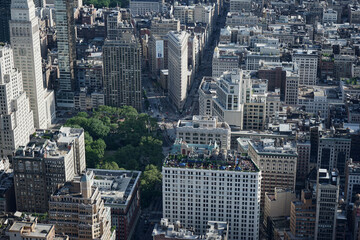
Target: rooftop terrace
x=231 y=162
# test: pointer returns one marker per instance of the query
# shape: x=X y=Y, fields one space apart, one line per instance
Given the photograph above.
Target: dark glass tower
x=5 y=16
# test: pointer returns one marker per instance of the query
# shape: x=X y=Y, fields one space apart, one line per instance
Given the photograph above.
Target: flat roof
x=39 y=231
x=116 y=186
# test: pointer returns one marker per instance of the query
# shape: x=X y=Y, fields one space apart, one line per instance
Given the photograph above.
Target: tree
x=151 y=149
x=78 y=121
x=94 y=152
x=150 y=185
x=96 y=128
x=128 y=157
x=82 y=114
x=133 y=136
x=109 y=166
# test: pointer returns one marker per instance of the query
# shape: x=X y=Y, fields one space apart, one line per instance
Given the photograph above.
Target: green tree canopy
x=150 y=184
x=133 y=136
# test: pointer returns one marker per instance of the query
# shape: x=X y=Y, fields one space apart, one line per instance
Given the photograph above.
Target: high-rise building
x=207 y=91
x=40 y=3
x=49 y=159
x=278 y=204
x=16 y=122
x=141 y=7
x=303 y=149
x=158 y=44
x=240 y=5
x=204 y=130
x=203 y=185
x=5 y=16
x=122 y=72
x=233 y=90
x=327 y=196
x=65 y=34
x=307 y=62
x=161 y=26
x=333 y=152
x=25 y=41
x=291 y=88
x=77 y=210
x=277 y=162
x=120 y=192
x=352 y=181
x=224 y=60
x=302 y=218
x=178 y=67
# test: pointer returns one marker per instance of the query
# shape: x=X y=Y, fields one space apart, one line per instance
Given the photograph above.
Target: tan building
x=277 y=161
x=33 y=230
x=120 y=191
x=161 y=26
x=278 y=204
x=49 y=159
x=302 y=218
x=78 y=211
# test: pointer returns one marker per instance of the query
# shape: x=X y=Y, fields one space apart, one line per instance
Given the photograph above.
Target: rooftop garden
x=237 y=163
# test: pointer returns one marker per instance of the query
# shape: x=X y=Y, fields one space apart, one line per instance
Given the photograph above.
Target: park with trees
x=122 y=138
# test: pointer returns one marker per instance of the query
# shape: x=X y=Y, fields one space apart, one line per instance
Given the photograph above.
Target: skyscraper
x=16 y=122
x=122 y=72
x=40 y=3
x=203 y=185
x=327 y=196
x=25 y=41
x=49 y=159
x=4 y=20
x=178 y=67
x=65 y=27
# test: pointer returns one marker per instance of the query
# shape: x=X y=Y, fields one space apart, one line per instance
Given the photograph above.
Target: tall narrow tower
x=178 y=67
x=25 y=41
x=65 y=27
x=16 y=121
x=4 y=20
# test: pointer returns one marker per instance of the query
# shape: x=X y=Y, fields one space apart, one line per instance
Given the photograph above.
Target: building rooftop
x=116 y=187
x=170 y=230
x=32 y=230
x=207 y=157
x=208 y=85
x=207 y=122
x=49 y=144
x=215 y=231
x=273 y=146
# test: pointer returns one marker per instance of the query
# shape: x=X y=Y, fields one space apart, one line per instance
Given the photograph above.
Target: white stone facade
x=16 y=117
x=195 y=196
x=203 y=130
x=233 y=90
x=307 y=62
x=178 y=67
x=25 y=41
